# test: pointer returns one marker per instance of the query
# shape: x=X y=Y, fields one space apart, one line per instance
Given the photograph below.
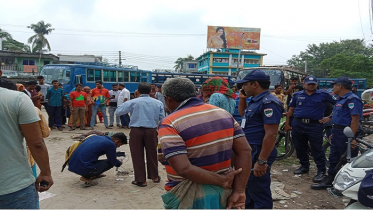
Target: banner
x=230 y=37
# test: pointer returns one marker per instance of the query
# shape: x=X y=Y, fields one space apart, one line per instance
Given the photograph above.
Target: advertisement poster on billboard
x=230 y=37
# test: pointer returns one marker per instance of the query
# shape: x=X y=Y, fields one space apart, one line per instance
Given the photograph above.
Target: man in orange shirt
x=100 y=95
x=78 y=106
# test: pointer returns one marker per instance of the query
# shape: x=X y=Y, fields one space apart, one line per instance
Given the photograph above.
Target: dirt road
x=114 y=192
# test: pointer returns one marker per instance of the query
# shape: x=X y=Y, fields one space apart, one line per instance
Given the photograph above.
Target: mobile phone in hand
x=243 y=92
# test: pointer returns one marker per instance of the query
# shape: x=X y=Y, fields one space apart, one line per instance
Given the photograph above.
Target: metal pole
x=120 y=59
x=239 y=54
x=305 y=66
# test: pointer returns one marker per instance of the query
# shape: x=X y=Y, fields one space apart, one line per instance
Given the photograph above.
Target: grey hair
x=179 y=89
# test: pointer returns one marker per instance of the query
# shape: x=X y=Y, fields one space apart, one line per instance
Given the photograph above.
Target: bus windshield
x=59 y=73
x=275 y=75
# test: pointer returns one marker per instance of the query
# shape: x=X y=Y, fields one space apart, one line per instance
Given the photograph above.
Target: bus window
x=90 y=75
x=144 y=77
x=106 y=76
x=360 y=84
x=123 y=76
x=98 y=75
x=113 y=76
x=135 y=76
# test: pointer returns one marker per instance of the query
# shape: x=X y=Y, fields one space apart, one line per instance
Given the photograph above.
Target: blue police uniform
x=346 y=106
x=308 y=110
x=262 y=109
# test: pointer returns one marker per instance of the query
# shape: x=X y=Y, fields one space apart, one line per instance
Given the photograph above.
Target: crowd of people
x=211 y=160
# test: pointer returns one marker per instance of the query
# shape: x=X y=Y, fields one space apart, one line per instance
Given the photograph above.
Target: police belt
x=339 y=126
x=307 y=121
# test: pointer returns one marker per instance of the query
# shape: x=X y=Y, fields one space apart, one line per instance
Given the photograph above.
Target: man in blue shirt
x=54 y=97
x=308 y=107
x=347 y=111
x=84 y=161
x=146 y=112
x=260 y=124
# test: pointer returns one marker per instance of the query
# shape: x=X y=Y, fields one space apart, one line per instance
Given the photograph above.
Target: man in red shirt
x=78 y=106
x=100 y=96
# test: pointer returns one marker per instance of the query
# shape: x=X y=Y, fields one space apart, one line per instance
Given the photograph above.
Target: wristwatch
x=261 y=162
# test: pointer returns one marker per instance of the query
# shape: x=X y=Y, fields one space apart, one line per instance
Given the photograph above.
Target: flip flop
x=90 y=184
x=138 y=184
x=99 y=176
x=159 y=180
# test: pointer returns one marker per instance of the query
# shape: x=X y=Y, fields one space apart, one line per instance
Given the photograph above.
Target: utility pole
x=239 y=54
x=120 y=59
x=305 y=66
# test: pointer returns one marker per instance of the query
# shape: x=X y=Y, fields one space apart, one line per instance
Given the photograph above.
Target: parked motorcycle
x=348 y=179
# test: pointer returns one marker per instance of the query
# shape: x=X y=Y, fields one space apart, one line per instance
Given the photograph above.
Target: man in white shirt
x=113 y=103
x=44 y=88
x=124 y=96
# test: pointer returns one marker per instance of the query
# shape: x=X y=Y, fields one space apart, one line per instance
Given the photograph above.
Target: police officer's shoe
x=325 y=183
x=319 y=177
x=301 y=170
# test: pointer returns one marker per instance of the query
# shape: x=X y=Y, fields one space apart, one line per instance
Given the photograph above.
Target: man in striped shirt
x=197 y=140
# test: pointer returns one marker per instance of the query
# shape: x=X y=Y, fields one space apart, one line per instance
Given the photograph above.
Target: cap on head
x=342 y=80
x=254 y=75
x=310 y=80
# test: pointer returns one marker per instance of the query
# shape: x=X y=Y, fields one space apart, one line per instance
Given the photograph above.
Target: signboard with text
x=233 y=37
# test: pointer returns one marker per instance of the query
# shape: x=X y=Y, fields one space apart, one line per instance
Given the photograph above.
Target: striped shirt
x=204 y=132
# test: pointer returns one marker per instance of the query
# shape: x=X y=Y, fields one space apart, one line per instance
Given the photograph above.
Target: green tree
x=314 y=55
x=16 y=46
x=5 y=35
x=180 y=63
x=39 y=40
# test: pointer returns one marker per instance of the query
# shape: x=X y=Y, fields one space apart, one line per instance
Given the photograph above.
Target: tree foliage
x=179 y=67
x=39 y=41
x=9 y=44
x=352 y=58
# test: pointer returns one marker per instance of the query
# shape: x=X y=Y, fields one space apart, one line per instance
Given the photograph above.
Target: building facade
x=225 y=61
x=190 y=66
x=25 y=62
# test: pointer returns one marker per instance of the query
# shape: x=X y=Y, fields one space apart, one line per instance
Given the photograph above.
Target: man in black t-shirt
x=294 y=87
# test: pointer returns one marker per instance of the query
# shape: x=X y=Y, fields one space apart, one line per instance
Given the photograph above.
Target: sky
x=153 y=34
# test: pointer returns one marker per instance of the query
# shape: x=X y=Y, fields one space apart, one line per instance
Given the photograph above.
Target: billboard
x=230 y=37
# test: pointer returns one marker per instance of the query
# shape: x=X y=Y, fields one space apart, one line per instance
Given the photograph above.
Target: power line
x=361 y=23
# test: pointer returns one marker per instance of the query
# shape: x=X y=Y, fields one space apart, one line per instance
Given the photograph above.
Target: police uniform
x=308 y=110
x=262 y=109
x=346 y=106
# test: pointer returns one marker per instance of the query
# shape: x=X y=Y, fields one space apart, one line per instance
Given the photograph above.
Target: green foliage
x=352 y=58
x=179 y=63
x=38 y=40
x=15 y=46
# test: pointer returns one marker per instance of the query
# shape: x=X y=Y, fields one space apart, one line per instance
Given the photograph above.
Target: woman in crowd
x=216 y=92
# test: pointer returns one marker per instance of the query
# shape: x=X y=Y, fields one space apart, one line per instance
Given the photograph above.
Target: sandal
x=159 y=180
x=90 y=184
x=138 y=184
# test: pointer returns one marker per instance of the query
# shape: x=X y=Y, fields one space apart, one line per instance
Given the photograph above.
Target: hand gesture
x=229 y=177
x=241 y=94
x=287 y=127
x=41 y=178
x=236 y=200
x=260 y=170
x=325 y=120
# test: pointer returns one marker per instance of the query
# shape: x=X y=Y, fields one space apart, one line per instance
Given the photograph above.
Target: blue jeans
x=111 y=114
x=54 y=116
x=101 y=167
x=27 y=198
x=94 y=113
x=125 y=119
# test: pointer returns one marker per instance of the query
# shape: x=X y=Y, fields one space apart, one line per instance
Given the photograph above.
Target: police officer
x=347 y=111
x=260 y=124
x=308 y=107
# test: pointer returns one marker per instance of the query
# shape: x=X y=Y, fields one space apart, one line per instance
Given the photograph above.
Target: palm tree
x=179 y=63
x=4 y=36
x=38 y=40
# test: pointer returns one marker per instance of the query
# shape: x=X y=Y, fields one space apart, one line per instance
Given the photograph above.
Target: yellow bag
x=43 y=125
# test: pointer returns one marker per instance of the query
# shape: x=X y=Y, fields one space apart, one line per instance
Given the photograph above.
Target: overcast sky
x=153 y=34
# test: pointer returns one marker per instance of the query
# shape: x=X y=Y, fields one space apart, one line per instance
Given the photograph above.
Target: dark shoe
x=301 y=170
x=107 y=127
x=60 y=129
x=119 y=126
x=72 y=128
x=111 y=126
x=138 y=184
x=319 y=177
x=325 y=183
x=159 y=180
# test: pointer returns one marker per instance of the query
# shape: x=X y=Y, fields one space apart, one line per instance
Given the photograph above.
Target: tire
x=284 y=144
